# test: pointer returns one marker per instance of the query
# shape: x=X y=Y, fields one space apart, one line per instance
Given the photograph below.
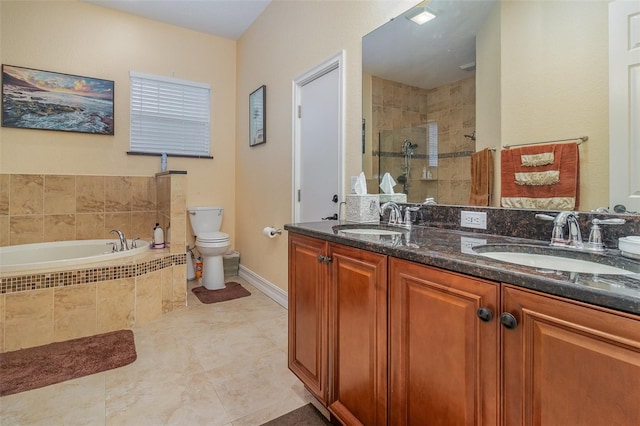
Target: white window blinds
x=432 y=135
x=169 y=115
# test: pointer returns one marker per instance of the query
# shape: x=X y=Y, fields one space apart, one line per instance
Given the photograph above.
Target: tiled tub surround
x=37 y=309
x=38 y=208
x=432 y=244
x=41 y=308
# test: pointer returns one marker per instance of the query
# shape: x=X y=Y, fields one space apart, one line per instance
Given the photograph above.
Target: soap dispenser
x=158 y=237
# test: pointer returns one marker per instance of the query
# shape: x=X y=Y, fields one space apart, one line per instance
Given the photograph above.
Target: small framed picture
x=257 y=116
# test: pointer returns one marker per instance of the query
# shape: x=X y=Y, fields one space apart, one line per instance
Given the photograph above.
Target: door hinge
x=299 y=195
x=299 y=111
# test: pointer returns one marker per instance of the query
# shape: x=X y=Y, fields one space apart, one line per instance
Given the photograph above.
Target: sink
x=558 y=259
x=369 y=231
x=379 y=230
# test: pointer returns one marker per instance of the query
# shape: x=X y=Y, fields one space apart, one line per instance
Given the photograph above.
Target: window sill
x=206 y=157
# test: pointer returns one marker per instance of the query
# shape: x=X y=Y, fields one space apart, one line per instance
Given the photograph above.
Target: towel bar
x=580 y=138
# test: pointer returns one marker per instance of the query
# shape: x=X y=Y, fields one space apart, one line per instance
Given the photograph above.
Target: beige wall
x=288 y=39
x=82 y=39
x=560 y=92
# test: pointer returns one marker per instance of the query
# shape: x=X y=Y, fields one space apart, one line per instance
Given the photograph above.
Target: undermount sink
x=367 y=230
x=558 y=259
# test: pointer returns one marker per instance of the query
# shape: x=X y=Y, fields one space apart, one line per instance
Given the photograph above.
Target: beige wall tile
x=148 y=297
x=59 y=227
x=166 y=279
x=4 y=231
x=28 y=319
x=142 y=224
x=143 y=194
x=59 y=194
x=119 y=221
x=116 y=305
x=90 y=226
x=26 y=194
x=25 y=229
x=5 y=188
x=90 y=194
x=74 y=312
x=180 y=285
x=117 y=194
x=2 y=310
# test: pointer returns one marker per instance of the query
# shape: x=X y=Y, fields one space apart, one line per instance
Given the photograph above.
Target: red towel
x=563 y=195
x=481 y=178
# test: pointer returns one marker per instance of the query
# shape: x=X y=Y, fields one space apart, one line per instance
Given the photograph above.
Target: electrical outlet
x=467 y=244
x=473 y=219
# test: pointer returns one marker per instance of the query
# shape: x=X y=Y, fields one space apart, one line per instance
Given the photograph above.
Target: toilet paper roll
x=270 y=232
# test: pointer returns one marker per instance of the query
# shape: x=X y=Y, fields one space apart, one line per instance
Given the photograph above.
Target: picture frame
x=257 y=116
x=47 y=100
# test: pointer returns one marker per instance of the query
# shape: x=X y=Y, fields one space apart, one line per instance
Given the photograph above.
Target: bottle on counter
x=158 y=236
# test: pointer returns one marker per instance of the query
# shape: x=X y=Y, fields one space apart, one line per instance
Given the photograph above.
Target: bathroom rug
x=32 y=368
x=306 y=415
x=233 y=290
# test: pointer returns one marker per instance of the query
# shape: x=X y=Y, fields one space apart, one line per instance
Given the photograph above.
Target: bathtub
x=31 y=258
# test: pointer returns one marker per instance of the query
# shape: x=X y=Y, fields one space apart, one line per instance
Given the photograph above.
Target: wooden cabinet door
x=443 y=358
x=569 y=363
x=358 y=336
x=308 y=313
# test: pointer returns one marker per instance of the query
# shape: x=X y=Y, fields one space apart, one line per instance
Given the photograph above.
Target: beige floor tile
x=223 y=364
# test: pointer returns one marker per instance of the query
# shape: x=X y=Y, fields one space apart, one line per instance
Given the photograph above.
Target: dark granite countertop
x=451 y=250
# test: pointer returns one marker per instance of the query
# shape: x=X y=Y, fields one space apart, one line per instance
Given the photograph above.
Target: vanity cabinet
x=338 y=327
x=443 y=359
x=385 y=341
x=567 y=363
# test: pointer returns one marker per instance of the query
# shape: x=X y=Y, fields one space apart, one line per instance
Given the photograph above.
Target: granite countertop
x=451 y=250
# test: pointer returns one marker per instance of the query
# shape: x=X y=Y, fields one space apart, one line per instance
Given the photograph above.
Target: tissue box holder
x=396 y=198
x=363 y=208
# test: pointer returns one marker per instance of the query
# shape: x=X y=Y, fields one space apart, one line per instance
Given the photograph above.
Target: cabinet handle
x=485 y=314
x=508 y=320
x=324 y=259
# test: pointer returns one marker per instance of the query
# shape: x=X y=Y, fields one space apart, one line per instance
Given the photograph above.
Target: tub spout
x=123 y=241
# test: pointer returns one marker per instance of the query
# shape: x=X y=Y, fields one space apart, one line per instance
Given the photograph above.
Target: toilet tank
x=205 y=219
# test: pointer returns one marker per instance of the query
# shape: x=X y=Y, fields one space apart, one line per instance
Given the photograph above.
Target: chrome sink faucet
x=395 y=216
x=564 y=219
x=123 y=241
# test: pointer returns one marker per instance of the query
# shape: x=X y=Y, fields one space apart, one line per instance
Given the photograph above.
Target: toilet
x=211 y=243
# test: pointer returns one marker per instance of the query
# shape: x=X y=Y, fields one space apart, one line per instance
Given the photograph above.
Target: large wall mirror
x=485 y=74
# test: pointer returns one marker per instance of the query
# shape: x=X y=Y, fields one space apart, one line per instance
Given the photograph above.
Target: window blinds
x=169 y=115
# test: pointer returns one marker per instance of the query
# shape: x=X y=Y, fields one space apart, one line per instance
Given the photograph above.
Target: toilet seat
x=213 y=237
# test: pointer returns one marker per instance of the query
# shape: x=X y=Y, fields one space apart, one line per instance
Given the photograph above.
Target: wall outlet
x=467 y=244
x=473 y=219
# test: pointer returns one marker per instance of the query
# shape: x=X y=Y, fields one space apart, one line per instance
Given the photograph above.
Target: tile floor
x=219 y=364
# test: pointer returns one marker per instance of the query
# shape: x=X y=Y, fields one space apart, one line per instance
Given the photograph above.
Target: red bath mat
x=33 y=368
x=232 y=291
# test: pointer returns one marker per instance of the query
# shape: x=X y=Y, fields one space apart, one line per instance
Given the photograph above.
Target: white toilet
x=211 y=243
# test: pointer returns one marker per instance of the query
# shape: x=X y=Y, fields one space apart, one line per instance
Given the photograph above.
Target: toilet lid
x=212 y=236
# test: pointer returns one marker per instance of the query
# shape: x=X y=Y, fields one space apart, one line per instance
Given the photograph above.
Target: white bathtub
x=69 y=254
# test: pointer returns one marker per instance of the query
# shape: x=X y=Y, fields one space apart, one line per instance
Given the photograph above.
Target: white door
x=318 y=142
x=624 y=104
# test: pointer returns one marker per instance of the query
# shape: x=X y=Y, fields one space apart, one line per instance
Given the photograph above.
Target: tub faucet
x=123 y=241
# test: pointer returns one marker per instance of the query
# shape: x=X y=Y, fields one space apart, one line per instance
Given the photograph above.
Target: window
x=169 y=115
x=432 y=135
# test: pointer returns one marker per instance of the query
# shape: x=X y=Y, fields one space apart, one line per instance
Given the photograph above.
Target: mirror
x=484 y=74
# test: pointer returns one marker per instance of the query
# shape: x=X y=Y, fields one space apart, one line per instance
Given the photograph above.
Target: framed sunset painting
x=35 y=99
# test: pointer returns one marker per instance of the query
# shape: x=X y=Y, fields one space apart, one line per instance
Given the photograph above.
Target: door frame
x=334 y=63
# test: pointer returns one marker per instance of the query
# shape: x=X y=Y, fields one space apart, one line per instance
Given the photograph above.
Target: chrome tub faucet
x=123 y=241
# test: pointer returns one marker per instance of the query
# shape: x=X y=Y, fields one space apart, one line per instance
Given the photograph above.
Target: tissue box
x=363 y=208
x=396 y=198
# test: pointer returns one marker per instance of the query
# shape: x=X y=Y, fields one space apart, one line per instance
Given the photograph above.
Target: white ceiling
x=223 y=18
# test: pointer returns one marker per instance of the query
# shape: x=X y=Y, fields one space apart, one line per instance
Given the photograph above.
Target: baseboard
x=270 y=289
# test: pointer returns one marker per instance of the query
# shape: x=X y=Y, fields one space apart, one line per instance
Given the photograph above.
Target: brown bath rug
x=232 y=290
x=307 y=415
x=33 y=368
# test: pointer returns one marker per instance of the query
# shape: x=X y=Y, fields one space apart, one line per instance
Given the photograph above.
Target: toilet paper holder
x=271 y=232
